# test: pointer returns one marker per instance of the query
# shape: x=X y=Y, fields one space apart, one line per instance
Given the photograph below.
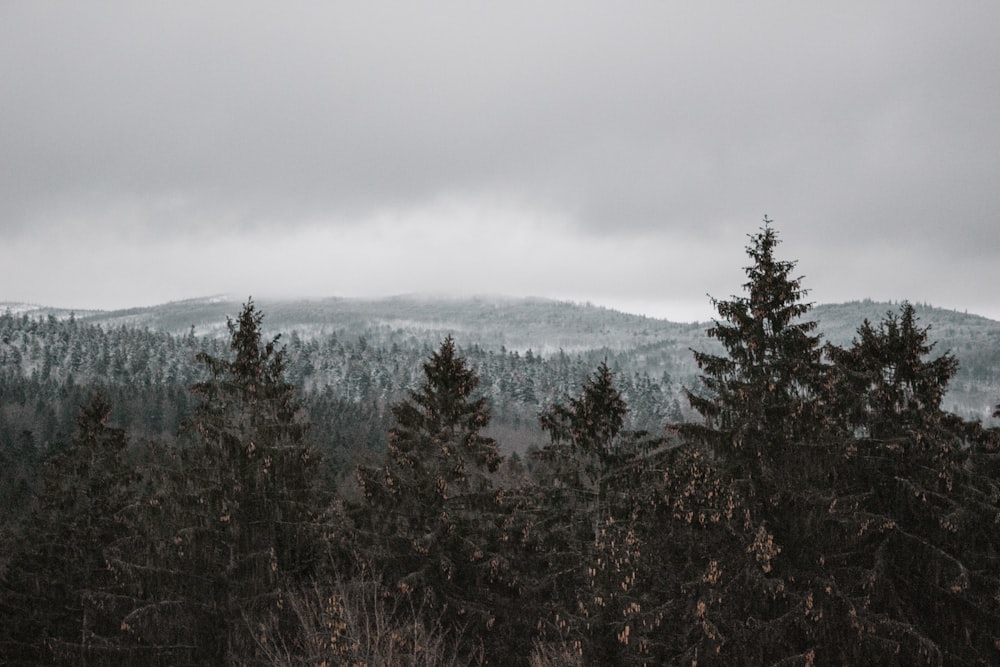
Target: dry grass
x=357 y=623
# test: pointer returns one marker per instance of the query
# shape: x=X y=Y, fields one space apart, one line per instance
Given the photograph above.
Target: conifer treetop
x=763 y=391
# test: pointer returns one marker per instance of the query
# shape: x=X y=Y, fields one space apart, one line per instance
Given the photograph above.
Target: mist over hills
x=541 y=324
x=636 y=343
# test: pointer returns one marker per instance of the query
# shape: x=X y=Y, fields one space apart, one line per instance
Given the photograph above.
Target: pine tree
x=433 y=504
x=233 y=517
x=873 y=512
x=917 y=501
x=767 y=428
x=589 y=451
x=589 y=495
x=763 y=396
x=885 y=386
x=57 y=604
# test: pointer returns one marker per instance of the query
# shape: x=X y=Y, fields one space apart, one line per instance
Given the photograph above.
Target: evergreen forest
x=782 y=496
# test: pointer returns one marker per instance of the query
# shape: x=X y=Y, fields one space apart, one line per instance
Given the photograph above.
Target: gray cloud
x=858 y=128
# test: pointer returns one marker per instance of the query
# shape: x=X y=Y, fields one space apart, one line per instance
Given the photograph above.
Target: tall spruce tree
x=434 y=508
x=765 y=406
x=915 y=559
x=57 y=602
x=590 y=493
x=233 y=518
x=763 y=396
x=884 y=384
x=588 y=445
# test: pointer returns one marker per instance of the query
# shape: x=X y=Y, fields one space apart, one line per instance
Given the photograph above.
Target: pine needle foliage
x=229 y=519
x=763 y=394
x=918 y=502
x=433 y=510
x=57 y=598
x=590 y=492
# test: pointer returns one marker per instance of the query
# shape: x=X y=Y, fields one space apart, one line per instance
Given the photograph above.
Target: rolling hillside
x=634 y=344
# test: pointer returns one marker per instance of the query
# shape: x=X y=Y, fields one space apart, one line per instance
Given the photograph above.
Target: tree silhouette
x=234 y=517
x=762 y=397
x=433 y=504
x=915 y=557
x=590 y=493
x=57 y=600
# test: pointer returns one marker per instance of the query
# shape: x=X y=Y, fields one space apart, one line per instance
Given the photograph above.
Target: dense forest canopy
x=410 y=485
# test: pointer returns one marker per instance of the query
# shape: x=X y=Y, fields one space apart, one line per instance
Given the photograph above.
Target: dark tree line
x=48 y=367
x=824 y=510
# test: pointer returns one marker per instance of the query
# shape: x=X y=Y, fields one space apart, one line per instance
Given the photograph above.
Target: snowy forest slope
x=634 y=344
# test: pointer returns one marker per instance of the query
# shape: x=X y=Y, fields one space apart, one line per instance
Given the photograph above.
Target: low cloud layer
x=578 y=150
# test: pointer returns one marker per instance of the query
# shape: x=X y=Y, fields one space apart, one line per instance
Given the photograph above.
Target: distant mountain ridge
x=547 y=327
x=543 y=325
x=527 y=319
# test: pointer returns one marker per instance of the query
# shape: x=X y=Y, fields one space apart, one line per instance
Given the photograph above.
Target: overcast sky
x=618 y=153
